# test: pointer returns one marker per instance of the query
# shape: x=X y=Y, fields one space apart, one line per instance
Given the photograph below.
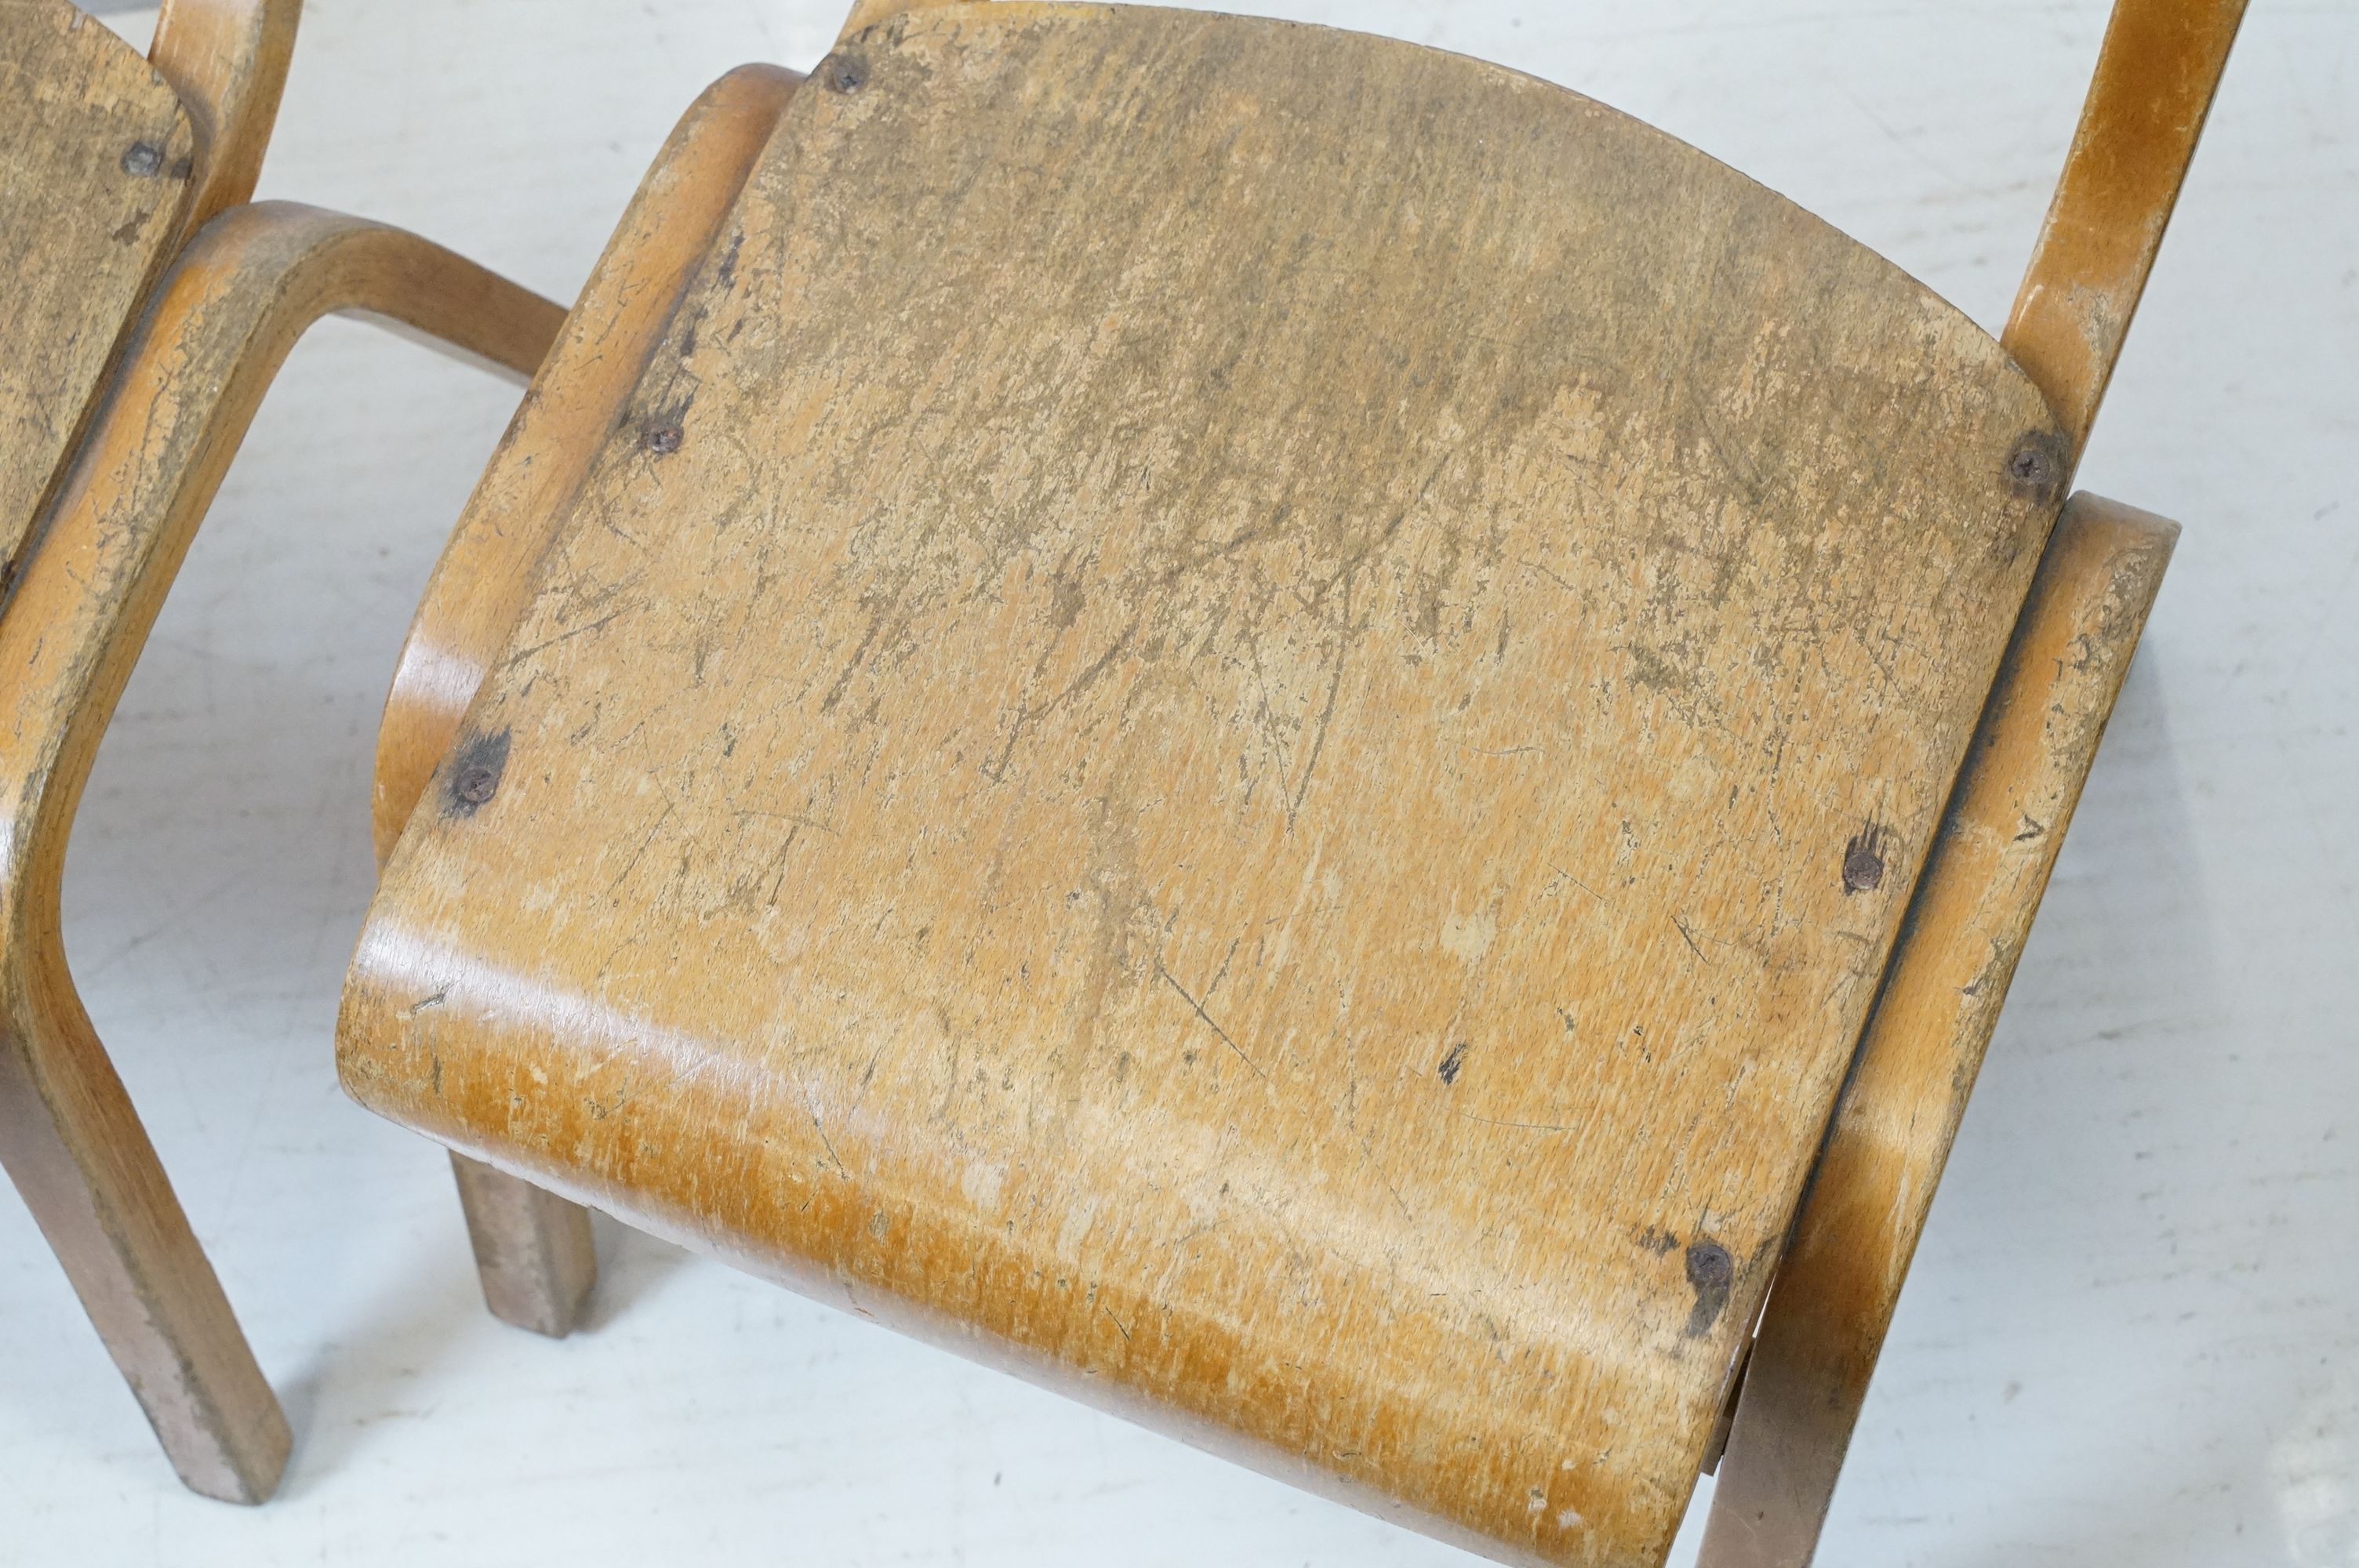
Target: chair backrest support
x=227 y=59
x=2156 y=71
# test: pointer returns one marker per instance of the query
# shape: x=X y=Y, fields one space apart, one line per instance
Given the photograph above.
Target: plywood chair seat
x=1239 y=714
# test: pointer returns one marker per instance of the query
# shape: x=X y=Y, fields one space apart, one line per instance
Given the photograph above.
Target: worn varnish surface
x=1243 y=712
x=634 y=295
x=1839 y=1279
x=95 y=161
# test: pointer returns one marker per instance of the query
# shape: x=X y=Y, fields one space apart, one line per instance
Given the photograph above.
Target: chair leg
x=74 y=1147
x=532 y=1248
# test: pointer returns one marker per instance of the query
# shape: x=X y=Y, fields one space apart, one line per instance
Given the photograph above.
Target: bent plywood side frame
x=532 y=1247
x=222 y=321
x=2156 y=75
x=227 y=59
x=1840 y=1276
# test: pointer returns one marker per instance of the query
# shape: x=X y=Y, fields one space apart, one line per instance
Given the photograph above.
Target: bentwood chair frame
x=148 y=310
x=1795 y=1387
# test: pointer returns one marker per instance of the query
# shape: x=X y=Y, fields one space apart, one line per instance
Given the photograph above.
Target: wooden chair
x=1291 y=731
x=110 y=163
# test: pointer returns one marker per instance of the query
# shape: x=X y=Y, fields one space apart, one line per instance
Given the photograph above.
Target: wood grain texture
x=1241 y=716
x=96 y=158
x=223 y=321
x=866 y=14
x=1840 y=1276
x=2156 y=75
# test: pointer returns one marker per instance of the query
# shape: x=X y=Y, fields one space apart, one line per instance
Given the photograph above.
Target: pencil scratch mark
x=1525 y=1126
x=1198 y=1008
x=1688 y=936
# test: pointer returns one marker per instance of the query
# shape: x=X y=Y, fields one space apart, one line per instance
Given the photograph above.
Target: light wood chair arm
x=69 y=632
x=227 y=59
x=223 y=320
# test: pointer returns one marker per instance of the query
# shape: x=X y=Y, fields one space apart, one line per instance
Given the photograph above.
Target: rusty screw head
x=1862 y=864
x=1709 y=1268
x=475 y=783
x=142 y=160
x=2035 y=465
x=843 y=72
x=664 y=440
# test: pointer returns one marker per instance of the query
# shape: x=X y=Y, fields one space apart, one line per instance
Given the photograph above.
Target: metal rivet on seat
x=843 y=72
x=1708 y=1266
x=2035 y=466
x=475 y=785
x=475 y=772
x=1862 y=862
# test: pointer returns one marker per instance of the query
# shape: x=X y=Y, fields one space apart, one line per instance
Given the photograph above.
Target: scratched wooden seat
x=113 y=433
x=1248 y=717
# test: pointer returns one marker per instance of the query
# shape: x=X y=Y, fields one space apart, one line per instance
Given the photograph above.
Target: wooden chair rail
x=480 y=581
x=193 y=373
x=532 y=1248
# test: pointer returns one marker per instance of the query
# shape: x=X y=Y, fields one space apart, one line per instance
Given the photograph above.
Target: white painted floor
x=2132 y=1336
